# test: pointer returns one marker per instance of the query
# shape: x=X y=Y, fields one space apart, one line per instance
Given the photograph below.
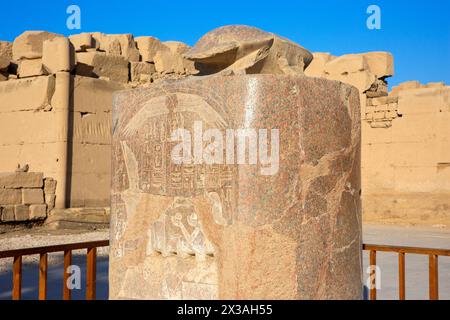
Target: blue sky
x=416 y=32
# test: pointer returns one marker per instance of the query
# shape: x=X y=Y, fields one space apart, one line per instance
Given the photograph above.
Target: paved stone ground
x=416 y=265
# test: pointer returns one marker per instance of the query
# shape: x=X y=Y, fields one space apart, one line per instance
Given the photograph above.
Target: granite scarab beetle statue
x=239 y=49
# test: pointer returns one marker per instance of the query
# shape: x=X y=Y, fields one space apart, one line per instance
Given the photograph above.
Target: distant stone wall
x=56 y=98
x=405 y=139
x=25 y=196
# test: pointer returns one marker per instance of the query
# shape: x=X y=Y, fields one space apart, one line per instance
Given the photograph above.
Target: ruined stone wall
x=405 y=139
x=25 y=196
x=56 y=98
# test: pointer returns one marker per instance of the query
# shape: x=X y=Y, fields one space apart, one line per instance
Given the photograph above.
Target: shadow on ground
x=30 y=280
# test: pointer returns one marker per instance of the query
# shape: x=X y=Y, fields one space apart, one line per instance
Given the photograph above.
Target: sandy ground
x=416 y=265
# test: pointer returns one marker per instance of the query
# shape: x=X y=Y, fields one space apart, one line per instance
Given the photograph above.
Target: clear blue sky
x=416 y=32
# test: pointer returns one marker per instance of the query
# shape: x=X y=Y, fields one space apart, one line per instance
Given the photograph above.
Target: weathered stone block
x=214 y=229
x=58 y=55
x=141 y=71
x=345 y=64
x=148 y=47
x=317 y=66
x=94 y=95
x=21 y=212
x=168 y=62
x=32 y=196
x=26 y=94
x=15 y=180
x=38 y=211
x=49 y=185
x=100 y=64
x=50 y=201
x=10 y=196
x=31 y=68
x=380 y=64
x=29 y=44
x=81 y=42
x=7 y=214
x=122 y=45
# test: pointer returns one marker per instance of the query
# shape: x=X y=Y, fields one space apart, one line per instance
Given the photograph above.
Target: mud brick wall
x=25 y=196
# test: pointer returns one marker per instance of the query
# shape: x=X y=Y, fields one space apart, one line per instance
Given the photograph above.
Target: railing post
x=91 y=270
x=43 y=276
x=67 y=293
x=433 y=277
x=401 y=275
x=373 y=275
x=17 y=278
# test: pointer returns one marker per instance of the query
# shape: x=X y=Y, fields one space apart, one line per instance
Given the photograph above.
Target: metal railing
x=91 y=267
x=433 y=277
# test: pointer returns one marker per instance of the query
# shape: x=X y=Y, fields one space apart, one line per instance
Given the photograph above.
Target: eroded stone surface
x=226 y=231
x=239 y=49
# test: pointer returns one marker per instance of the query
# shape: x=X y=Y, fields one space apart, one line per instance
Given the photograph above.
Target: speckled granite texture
x=226 y=231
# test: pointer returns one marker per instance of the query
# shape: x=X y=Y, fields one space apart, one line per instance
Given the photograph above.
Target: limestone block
x=380 y=64
x=50 y=201
x=98 y=64
x=123 y=45
x=81 y=42
x=92 y=158
x=141 y=71
x=443 y=137
x=49 y=185
x=405 y=86
x=30 y=127
x=91 y=190
x=4 y=63
x=435 y=85
x=94 y=95
x=21 y=212
x=347 y=63
x=422 y=100
x=15 y=180
x=415 y=128
x=221 y=228
x=415 y=179
x=6 y=49
x=31 y=68
x=317 y=66
x=38 y=211
x=176 y=46
x=362 y=80
x=10 y=196
x=58 y=55
x=148 y=47
x=32 y=196
x=42 y=157
x=7 y=214
x=29 y=44
x=92 y=128
x=26 y=94
x=168 y=62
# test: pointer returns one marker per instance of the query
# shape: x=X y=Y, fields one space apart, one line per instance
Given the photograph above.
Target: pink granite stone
x=233 y=230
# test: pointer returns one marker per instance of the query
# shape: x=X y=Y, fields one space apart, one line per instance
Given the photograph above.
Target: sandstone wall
x=56 y=98
x=25 y=196
x=405 y=139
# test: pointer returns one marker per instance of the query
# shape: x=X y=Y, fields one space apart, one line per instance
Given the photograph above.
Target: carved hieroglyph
x=203 y=231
